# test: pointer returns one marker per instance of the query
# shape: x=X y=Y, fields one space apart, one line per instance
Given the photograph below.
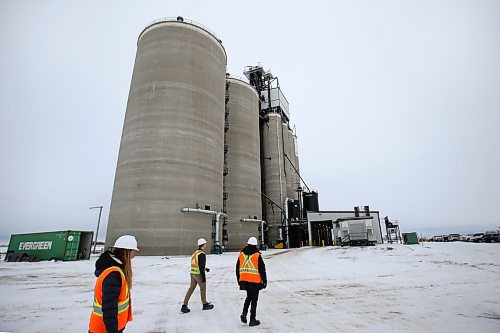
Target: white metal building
x=325 y=227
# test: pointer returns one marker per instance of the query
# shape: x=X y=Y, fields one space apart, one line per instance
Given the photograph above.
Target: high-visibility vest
x=96 y=324
x=195 y=266
x=249 y=268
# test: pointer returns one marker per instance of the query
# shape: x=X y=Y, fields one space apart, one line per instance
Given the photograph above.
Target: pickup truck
x=477 y=237
x=437 y=238
x=491 y=237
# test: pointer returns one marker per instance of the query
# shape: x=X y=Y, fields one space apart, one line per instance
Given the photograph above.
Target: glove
x=207 y=269
x=264 y=285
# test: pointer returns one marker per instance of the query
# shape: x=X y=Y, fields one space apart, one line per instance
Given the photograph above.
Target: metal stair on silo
x=225 y=171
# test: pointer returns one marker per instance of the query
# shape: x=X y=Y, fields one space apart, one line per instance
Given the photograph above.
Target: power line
x=42 y=203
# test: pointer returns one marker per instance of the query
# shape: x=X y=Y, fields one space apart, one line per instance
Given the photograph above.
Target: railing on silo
x=183 y=20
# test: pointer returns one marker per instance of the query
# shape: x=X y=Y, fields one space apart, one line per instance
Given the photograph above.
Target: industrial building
x=357 y=227
x=202 y=154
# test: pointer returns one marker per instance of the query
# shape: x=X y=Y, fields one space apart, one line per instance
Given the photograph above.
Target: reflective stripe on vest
x=249 y=268
x=96 y=324
x=122 y=306
x=195 y=266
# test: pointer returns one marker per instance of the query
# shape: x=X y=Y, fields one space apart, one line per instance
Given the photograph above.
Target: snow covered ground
x=435 y=287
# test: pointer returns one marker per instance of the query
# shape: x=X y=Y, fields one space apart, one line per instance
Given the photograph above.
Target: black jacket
x=202 y=263
x=245 y=285
x=111 y=287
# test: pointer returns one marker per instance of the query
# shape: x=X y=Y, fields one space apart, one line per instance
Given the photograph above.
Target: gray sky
x=396 y=103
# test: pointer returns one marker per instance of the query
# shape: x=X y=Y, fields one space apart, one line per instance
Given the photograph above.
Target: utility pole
x=98 y=223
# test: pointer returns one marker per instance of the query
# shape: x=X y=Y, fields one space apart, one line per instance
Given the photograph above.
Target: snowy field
x=435 y=287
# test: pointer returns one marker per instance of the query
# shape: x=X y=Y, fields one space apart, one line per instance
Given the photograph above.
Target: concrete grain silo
x=295 y=159
x=288 y=166
x=171 y=151
x=242 y=183
x=273 y=174
x=294 y=177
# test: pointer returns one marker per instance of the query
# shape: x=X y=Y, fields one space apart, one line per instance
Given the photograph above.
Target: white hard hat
x=252 y=241
x=201 y=241
x=126 y=242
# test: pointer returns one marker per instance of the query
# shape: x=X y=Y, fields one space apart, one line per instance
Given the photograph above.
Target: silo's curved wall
x=243 y=185
x=295 y=159
x=287 y=166
x=273 y=178
x=171 y=152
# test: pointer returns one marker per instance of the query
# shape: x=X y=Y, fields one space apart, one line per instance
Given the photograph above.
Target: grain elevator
x=202 y=153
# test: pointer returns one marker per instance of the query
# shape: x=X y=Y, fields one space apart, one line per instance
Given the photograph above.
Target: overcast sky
x=396 y=103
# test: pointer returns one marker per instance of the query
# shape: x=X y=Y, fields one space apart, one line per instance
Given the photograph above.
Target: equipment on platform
x=392 y=231
x=356 y=231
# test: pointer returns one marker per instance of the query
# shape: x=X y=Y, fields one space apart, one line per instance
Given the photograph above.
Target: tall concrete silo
x=242 y=183
x=296 y=180
x=171 y=151
x=294 y=177
x=274 y=177
x=287 y=165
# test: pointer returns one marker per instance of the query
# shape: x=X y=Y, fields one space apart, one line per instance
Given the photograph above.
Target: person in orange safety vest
x=251 y=276
x=112 y=308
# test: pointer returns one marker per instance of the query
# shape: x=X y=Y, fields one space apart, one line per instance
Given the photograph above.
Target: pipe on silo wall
x=287 y=221
x=171 y=150
x=243 y=181
x=209 y=212
x=262 y=231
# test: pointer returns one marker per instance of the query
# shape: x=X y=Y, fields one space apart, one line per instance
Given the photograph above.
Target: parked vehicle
x=437 y=238
x=491 y=236
x=465 y=238
x=453 y=237
x=477 y=237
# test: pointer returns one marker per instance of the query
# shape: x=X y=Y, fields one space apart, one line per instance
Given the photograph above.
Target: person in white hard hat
x=198 y=269
x=252 y=277
x=112 y=308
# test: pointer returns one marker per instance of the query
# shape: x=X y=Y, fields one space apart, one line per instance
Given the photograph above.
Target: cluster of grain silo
x=198 y=148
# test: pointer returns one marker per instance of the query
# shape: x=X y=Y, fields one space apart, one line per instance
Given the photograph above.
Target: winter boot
x=243 y=318
x=254 y=322
x=208 y=306
x=184 y=308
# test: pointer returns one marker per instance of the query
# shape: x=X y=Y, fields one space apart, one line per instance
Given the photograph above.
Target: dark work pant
x=252 y=298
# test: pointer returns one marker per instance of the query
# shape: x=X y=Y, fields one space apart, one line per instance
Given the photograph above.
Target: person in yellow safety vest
x=251 y=276
x=198 y=269
x=112 y=308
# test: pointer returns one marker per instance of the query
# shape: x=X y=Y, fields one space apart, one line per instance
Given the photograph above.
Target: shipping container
x=67 y=245
x=410 y=238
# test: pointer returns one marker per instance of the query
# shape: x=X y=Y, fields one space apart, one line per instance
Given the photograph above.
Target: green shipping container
x=58 y=245
x=410 y=238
